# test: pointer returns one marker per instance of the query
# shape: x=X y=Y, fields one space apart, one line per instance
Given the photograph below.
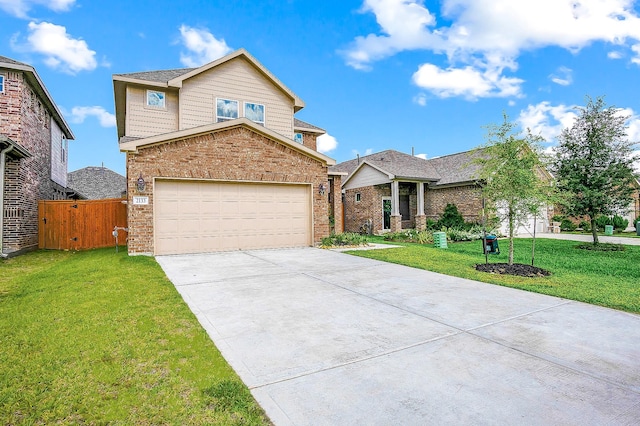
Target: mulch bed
x=517 y=269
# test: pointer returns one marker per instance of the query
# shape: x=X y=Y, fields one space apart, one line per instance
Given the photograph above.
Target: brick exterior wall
x=237 y=154
x=25 y=120
x=309 y=140
x=467 y=198
x=335 y=204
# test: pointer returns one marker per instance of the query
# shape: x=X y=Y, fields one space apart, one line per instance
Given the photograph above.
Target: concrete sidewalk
x=586 y=238
x=324 y=338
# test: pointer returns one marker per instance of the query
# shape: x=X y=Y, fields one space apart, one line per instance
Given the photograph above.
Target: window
x=298 y=137
x=226 y=110
x=254 y=112
x=155 y=99
x=358 y=197
x=1 y=83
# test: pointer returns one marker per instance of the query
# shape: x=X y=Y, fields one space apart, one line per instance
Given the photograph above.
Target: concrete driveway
x=325 y=338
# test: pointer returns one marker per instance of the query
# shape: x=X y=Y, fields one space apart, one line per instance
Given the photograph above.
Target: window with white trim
x=298 y=137
x=226 y=109
x=1 y=83
x=156 y=99
x=254 y=112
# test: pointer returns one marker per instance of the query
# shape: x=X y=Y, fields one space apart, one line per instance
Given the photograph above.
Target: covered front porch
x=405 y=207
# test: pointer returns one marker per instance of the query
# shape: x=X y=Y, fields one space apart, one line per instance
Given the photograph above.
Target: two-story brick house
x=216 y=160
x=33 y=154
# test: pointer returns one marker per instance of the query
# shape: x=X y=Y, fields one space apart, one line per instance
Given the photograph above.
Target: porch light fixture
x=141 y=183
x=322 y=188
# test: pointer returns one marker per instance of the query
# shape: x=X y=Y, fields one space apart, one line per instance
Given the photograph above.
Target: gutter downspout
x=3 y=156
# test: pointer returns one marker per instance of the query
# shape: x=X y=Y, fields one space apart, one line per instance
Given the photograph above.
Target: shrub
x=432 y=225
x=451 y=218
x=585 y=226
x=558 y=218
x=567 y=225
x=619 y=223
x=410 y=236
x=346 y=239
x=602 y=221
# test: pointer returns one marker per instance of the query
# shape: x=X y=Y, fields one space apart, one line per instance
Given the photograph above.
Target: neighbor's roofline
x=133 y=146
x=34 y=78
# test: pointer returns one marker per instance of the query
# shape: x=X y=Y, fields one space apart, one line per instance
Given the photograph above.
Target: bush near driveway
x=97 y=337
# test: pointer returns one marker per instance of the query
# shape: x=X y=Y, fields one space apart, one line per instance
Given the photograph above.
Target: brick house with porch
x=33 y=154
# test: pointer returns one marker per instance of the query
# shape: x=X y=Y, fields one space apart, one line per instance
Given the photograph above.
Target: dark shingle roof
x=299 y=124
x=161 y=76
x=95 y=183
x=394 y=162
x=446 y=170
x=12 y=61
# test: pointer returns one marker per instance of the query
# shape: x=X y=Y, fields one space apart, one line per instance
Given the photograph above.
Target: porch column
x=396 y=219
x=421 y=219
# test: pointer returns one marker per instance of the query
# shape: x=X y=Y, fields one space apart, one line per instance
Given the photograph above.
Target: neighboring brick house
x=217 y=161
x=394 y=191
x=33 y=154
x=96 y=183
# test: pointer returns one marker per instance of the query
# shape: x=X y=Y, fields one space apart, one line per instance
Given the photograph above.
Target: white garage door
x=199 y=217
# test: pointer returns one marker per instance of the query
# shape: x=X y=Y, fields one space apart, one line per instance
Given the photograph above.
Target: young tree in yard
x=511 y=173
x=594 y=163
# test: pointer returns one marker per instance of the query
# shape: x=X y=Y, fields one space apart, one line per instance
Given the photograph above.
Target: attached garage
x=207 y=216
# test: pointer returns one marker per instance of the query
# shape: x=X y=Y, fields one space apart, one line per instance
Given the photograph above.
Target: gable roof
x=454 y=169
x=34 y=79
x=95 y=183
x=134 y=144
x=306 y=127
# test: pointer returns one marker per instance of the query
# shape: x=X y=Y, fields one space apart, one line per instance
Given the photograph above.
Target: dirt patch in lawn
x=518 y=269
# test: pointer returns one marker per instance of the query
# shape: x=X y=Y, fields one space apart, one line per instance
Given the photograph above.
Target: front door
x=386 y=213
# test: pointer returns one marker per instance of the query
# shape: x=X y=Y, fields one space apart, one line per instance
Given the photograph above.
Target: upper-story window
x=254 y=112
x=1 y=83
x=226 y=110
x=156 y=99
x=298 y=137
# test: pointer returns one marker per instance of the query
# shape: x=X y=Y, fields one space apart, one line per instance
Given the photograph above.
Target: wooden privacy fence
x=81 y=224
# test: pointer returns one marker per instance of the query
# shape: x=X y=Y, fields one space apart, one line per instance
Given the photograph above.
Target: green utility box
x=608 y=230
x=440 y=239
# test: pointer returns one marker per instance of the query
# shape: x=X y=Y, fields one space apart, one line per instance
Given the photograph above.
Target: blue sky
x=376 y=74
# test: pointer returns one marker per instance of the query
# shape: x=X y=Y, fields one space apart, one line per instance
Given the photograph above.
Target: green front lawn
x=97 y=337
x=602 y=278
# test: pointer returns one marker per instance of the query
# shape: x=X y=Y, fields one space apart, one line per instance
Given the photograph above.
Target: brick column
x=396 y=223
x=421 y=222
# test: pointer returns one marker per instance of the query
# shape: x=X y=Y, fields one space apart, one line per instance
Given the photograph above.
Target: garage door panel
x=192 y=217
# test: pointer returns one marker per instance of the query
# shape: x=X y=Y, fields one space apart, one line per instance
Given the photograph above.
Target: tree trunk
x=594 y=231
x=511 y=226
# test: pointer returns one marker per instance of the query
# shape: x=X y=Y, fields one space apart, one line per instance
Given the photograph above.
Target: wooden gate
x=81 y=224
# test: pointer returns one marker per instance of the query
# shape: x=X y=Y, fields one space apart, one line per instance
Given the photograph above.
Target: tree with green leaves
x=594 y=163
x=512 y=175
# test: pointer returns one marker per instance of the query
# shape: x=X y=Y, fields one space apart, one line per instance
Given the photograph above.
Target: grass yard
x=610 y=279
x=98 y=337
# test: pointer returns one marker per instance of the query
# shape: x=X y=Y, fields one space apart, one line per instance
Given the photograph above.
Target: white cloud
x=60 y=50
x=423 y=156
x=614 y=54
x=20 y=8
x=326 y=143
x=80 y=113
x=202 y=46
x=420 y=99
x=367 y=151
x=481 y=36
x=546 y=120
x=563 y=76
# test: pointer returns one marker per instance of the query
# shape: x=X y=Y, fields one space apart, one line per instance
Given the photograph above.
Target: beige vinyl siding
x=366 y=176
x=58 y=155
x=239 y=81
x=143 y=121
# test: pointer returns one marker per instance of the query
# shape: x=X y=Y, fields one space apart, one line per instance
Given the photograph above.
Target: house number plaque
x=140 y=200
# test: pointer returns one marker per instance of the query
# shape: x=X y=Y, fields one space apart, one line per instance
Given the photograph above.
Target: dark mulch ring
x=516 y=269
x=601 y=247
